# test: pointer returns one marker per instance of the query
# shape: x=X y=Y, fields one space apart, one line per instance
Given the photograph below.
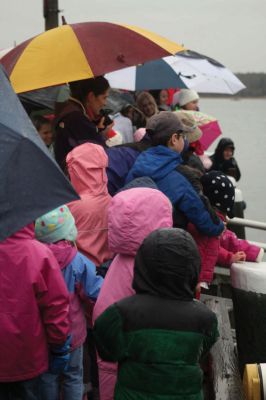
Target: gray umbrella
x=31 y=183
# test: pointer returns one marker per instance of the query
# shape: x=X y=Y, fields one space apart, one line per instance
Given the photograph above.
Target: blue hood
x=156 y=162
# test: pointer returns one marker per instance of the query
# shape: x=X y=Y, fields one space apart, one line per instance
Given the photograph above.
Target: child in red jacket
x=227 y=248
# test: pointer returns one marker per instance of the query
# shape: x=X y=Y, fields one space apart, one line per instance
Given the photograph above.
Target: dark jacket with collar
x=72 y=128
x=228 y=167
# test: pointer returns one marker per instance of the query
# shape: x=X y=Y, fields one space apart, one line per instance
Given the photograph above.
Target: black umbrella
x=31 y=183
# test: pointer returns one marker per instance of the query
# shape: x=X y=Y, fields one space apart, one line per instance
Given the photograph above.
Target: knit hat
x=165 y=122
x=56 y=225
x=187 y=96
x=188 y=120
x=220 y=191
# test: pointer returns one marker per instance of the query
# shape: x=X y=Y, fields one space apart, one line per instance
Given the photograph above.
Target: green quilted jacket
x=159 y=335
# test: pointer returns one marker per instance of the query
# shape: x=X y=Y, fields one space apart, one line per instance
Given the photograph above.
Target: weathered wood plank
x=226 y=378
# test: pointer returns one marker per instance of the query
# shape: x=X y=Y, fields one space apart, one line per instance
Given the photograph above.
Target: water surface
x=244 y=121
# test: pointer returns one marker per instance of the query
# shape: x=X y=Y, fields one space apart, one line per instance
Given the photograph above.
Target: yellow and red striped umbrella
x=79 y=51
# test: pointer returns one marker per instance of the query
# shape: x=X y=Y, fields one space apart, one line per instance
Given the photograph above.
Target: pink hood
x=86 y=167
x=63 y=251
x=25 y=233
x=34 y=306
x=133 y=214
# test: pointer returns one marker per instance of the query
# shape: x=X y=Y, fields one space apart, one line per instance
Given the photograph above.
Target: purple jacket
x=132 y=215
x=34 y=306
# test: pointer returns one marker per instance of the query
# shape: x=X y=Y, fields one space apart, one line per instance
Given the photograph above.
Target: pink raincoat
x=83 y=286
x=86 y=166
x=34 y=306
x=230 y=244
x=133 y=214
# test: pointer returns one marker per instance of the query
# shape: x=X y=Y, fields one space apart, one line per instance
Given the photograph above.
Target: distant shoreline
x=235 y=97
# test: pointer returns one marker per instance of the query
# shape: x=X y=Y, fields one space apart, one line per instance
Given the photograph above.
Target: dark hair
x=80 y=89
x=125 y=109
x=160 y=138
x=38 y=121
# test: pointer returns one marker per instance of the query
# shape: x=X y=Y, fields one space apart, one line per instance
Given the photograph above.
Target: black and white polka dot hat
x=220 y=191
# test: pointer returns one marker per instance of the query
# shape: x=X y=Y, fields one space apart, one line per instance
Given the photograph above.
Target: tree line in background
x=255 y=84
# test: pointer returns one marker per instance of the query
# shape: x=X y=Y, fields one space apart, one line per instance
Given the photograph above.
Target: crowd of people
x=101 y=297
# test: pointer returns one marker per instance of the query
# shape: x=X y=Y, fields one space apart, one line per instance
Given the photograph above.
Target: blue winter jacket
x=159 y=163
x=83 y=285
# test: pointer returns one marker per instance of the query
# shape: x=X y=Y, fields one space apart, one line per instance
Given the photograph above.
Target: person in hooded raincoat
x=57 y=229
x=223 y=159
x=159 y=335
x=132 y=215
x=34 y=308
x=86 y=167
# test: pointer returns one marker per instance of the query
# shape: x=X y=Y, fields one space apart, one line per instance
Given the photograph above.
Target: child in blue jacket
x=57 y=229
x=160 y=162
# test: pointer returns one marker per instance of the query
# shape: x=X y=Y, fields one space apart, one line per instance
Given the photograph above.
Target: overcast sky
x=232 y=31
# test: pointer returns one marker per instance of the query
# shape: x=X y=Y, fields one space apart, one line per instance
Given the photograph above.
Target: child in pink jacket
x=58 y=230
x=86 y=167
x=227 y=248
x=132 y=215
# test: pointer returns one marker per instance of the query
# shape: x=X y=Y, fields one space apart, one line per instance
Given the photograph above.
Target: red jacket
x=219 y=250
x=209 y=249
x=34 y=306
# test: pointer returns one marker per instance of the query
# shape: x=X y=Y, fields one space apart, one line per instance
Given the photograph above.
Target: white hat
x=187 y=96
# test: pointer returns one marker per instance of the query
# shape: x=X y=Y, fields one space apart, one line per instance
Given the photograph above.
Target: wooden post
x=227 y=384
x=50 y=13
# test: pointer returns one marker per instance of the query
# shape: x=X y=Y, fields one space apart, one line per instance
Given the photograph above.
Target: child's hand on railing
x=240 y=256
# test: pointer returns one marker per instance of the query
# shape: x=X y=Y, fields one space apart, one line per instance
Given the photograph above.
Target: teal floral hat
x=56 y=225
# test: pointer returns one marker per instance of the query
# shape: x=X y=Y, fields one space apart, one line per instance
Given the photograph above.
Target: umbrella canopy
x=31 y=183
x=79 y=51
x=187 y=69
x=209 y=126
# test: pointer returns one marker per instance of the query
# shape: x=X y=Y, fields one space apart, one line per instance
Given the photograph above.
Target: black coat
x=228 y=167
x=72 y=128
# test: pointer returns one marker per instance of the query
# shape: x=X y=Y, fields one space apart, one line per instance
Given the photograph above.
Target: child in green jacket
x=159 y=335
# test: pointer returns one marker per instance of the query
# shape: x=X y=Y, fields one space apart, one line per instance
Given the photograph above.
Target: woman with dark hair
x=161 y=97
x=80 y=119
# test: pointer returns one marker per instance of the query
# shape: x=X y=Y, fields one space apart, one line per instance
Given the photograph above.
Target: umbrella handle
x=187 y=76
